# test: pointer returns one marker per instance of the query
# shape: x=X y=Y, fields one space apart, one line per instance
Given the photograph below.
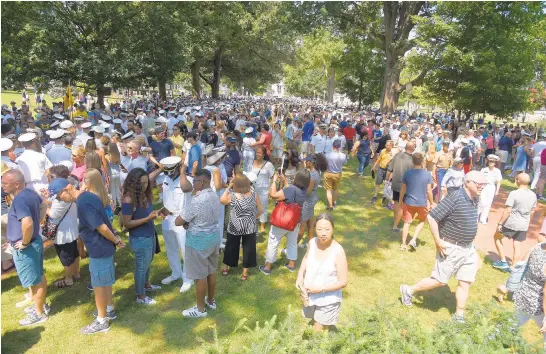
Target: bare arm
x=402 y=194
x=225 y=199
x=27 y=226
x=104 y=230
x=258 y=204
x=505 y=214
x=131 y=223
x=185 y=185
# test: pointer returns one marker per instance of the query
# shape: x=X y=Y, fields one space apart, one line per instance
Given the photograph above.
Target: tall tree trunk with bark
x=100 y=94
x=161 y=84
x=331 y=84
x=195 y=79
x=395 y=42
x=217 y=67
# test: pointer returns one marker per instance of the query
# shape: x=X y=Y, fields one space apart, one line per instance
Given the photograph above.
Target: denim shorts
x=102 y=271
x=29 y=263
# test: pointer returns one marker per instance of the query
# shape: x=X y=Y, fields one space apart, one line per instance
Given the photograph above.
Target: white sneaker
x=186 y=286
x=146 y=301
x=23 y=303
x=210 y=306
x=302 y=245
x=194 y=312
x=168 y=280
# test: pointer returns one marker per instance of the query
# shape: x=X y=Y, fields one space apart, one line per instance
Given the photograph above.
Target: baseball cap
x=56 y=186
x=337 y=143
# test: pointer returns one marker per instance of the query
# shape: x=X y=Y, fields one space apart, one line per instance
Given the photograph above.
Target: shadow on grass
x=21 y=340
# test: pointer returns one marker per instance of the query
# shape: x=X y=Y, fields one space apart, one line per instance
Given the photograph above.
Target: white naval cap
x=56 y=134
x=5 y=144
x=58 y=116
x=99 y=129
x=170 y=161
x=127 y=135
x=105 y=117
x=66 y=124
x=86 y=125
x=117 y=121
x=27 y=137
x=54 y=124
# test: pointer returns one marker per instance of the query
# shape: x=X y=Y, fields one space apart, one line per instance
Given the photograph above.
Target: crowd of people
x=217 y=166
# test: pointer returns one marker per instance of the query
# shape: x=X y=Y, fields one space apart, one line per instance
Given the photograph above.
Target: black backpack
x=465 y=155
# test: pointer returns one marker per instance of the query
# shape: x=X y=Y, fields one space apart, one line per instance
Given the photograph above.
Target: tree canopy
x=473 y=57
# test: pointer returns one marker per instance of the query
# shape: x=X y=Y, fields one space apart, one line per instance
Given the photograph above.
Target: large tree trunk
x=331 y=84
x=391 y=87
x=100 y=94
x=161 y=84
x=195 y=79
x=217 y=66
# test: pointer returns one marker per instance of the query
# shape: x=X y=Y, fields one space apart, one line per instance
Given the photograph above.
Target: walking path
x=484 y=240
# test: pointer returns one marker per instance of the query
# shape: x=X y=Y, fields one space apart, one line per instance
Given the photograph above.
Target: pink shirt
x=79 y=171
x=490 y=141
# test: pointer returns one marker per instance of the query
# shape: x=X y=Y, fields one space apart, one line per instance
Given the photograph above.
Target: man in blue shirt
x=100 y=242
x=194 y=155
x=233 y=158
x=307 y=132
x=161 y=148
x=505 y=149
x=23 y=234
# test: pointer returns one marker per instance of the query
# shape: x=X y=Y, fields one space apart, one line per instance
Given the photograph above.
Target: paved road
x=484 y=239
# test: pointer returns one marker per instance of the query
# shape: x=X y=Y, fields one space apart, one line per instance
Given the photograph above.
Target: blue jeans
x=364 y=161
x=144 y=249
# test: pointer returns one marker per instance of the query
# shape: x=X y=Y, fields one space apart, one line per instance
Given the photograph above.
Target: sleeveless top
x=364 y=148
x=242 y=215
x=528 y=298
x=321 y=273
x=223 y=177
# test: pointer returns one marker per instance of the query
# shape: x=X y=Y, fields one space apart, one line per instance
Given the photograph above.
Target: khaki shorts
x=461 y=261
x=331 y=181
x=325 y=315
x=304 y=147
x=503 y=155
x=199 y=264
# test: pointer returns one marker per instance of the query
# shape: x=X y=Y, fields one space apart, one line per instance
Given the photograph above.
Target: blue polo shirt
x=505 y=144
x=161 y=149
x=91 y=215
x=307 y=130
x=26 y=203
x=232 y=159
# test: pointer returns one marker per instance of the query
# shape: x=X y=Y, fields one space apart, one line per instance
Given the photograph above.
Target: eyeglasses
x=479 y=185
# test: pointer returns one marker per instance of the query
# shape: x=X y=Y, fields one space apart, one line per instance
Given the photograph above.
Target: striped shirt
x=242 y=216
x=457 y=217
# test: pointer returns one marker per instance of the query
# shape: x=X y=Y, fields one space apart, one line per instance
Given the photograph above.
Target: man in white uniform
x=81 y=139
x=33 y=164
x=174 y=200
x=58 y=152
x=318 y=142
x=537 y=150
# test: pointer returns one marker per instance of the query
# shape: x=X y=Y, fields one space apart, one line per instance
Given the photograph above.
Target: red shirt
x=349 y=132
x=543 y=157
x=490 y=141
x=267 y=142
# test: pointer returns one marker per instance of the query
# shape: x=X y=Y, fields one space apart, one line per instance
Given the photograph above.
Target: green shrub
x=489 y=329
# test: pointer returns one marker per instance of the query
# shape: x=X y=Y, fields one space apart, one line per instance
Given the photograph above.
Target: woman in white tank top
x=322 y=275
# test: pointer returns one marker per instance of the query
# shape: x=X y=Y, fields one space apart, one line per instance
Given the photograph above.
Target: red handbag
x=286 y=216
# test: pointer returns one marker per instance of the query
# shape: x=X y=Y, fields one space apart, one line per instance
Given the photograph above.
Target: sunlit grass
x=376 y=269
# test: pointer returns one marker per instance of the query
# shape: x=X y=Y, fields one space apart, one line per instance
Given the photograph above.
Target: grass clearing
x=376 y=269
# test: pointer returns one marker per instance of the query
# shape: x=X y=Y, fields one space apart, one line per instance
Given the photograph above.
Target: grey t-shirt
x=522 y=202
x=336 y=160
x=399 y=164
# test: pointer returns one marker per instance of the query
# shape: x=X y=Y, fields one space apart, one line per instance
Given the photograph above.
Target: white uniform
x=537 y=148
x=34 y=165
x=58 y=153
x=319 y=143
x=81 y=140
x=9 y=163
x=488 y=193
x=171 y=122
x=174 y=199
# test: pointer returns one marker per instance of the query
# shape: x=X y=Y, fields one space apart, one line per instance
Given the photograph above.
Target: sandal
x=244 y=277
x=224 y=272
x=61 y=284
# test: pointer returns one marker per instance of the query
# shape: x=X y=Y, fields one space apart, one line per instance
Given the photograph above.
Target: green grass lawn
x=8 y=96
x=376 y=269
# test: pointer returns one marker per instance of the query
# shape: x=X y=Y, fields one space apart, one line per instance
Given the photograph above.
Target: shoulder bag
x=286 y=216
x=49 y=230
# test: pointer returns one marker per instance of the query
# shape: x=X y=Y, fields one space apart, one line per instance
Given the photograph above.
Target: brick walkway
x=484 y=239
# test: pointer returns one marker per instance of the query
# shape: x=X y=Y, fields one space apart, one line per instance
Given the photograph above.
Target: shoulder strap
x=66 y=212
